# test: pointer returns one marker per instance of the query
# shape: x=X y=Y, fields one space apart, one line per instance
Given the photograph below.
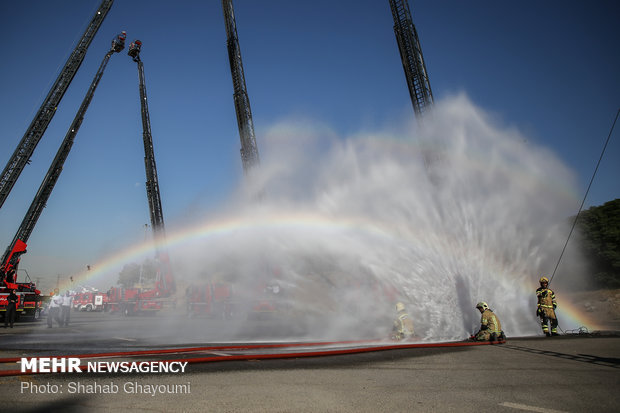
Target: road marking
x=126 y=339
x=530 y=408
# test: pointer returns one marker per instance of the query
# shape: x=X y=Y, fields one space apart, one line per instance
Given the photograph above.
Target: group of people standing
x=59 y=309
x=490 y=326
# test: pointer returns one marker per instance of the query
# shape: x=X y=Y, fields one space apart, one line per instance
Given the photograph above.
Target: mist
x=438 y=215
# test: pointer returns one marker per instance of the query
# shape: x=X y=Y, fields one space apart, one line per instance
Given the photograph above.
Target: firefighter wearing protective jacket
x=490 y=327
x=11 y=309
x=546 y=308
x=403 y=326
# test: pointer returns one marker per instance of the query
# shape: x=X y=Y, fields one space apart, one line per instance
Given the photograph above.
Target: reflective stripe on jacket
x=546 y=297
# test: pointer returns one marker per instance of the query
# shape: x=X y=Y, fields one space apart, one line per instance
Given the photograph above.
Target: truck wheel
x=89 y=308
x=37 y=315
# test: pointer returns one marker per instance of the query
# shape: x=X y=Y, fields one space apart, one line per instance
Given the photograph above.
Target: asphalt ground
x=568 y=373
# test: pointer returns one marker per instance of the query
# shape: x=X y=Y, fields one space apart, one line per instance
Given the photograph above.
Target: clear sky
x=547 y=69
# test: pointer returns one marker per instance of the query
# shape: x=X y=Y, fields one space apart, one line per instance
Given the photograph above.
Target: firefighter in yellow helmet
x=403 y=325
x=546 y=308
x=490 y=327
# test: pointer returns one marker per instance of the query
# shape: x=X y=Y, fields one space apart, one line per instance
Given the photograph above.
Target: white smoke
x=458 y=210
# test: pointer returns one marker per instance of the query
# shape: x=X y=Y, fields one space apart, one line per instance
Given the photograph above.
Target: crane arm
x=165 y=280
x=249 y=149
x=412 y=58
x=42 y=119
x=10 y=260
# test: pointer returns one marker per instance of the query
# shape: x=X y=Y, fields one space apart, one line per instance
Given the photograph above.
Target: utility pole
x=412 y=59
x=249 y=150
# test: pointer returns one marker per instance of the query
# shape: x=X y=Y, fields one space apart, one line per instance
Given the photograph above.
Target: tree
x=133 y=274
x=129 y=275
x=149 y=270
x=600 y=228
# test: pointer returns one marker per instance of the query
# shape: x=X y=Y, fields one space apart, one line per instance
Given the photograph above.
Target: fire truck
x=29 y=299
x=267 y=300
x=130 y=301
x=211 y=299
x=90 y=301
x=144 y=300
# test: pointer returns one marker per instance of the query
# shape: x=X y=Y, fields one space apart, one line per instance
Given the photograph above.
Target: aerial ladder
x=165 y=284
x=152 y=184
x=34 y=133
x=249 y=150
x=10 y=259
x=137 y=300
x=412 y=58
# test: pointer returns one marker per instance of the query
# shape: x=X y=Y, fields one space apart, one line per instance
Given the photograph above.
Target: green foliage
x=600 y=228
x=129 y=275
x=133 y=273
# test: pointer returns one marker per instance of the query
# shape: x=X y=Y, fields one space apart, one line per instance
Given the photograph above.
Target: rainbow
x=301 y=221
x=570 y=316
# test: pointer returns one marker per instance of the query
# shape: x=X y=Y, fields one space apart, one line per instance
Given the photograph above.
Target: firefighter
x=118 y=43
x=54 y=309
x=546 y=308
x=403 y=326
x=134 y=50
x=490 y=327
x=65 y=309
x=11 y=309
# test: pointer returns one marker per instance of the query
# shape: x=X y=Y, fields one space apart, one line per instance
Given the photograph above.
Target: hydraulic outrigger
x=11 y=258
x=34 y=133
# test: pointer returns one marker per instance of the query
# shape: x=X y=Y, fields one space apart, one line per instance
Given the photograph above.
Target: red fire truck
x=212 y=299
x=140 y=300
x=90 y=301
x=29 y=298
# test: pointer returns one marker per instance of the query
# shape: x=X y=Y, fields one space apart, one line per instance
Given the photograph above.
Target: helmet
x=482 y=305
x=400 y=307
x=544 y=280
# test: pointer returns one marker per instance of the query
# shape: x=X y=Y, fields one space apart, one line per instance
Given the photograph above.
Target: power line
x=585 y=196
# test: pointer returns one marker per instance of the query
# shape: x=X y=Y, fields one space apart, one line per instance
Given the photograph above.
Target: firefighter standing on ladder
x=546 y=308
